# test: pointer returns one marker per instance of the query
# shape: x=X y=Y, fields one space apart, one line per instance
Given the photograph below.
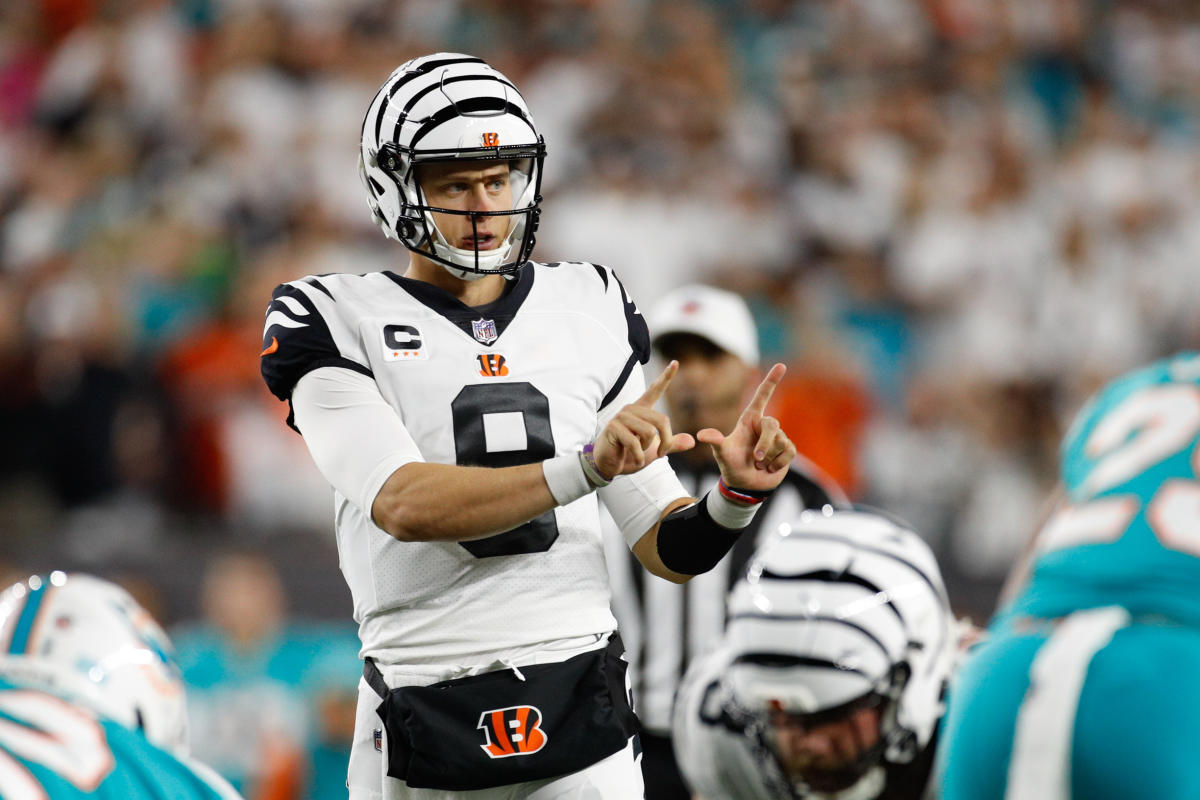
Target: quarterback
x=91 y=700
x=469 y=415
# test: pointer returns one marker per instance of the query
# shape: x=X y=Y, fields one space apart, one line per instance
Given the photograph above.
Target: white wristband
x=727 y=513
x=566 y=478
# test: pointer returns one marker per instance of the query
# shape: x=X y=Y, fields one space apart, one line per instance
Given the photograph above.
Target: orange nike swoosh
x=271 y=348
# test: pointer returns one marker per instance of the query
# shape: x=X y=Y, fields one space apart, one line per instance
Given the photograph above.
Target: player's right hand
x=638 y=434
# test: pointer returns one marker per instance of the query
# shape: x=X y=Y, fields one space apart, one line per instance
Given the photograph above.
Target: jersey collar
x=502 y=310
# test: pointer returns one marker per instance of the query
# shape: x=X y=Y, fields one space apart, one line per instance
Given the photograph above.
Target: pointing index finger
x=762 y=395
x=657 y=386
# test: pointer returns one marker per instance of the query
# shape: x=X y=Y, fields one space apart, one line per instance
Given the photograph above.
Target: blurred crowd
x=953 y=219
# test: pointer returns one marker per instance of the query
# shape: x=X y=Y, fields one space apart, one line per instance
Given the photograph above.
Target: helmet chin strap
x=472 y=264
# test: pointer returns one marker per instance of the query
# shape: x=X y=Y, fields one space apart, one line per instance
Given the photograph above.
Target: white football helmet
x=839 y=611
x=89 y=639
x=450 y=107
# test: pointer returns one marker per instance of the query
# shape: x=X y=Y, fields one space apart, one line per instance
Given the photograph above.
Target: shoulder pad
x=297 y=340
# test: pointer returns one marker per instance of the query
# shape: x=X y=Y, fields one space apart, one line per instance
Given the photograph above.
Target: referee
x=711 y=333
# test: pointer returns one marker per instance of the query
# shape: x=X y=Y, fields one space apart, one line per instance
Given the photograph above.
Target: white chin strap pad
x=488 y=260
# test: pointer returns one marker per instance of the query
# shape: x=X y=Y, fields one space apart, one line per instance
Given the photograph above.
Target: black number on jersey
x=470 y=446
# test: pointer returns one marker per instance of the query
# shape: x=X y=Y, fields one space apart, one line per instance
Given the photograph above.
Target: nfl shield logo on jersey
x=484 y=330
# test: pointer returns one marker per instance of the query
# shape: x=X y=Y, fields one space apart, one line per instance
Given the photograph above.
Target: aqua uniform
x=1086 y=686
x=1131 y=532
x=50 y=748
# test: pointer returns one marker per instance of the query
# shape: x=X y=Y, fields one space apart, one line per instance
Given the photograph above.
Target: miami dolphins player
x=91 y=703
x=1087 y=686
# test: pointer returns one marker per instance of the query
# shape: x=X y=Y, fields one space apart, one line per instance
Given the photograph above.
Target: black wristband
x=691 y=542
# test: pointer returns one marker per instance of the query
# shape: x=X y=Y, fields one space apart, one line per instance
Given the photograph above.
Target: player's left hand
x=756 y=453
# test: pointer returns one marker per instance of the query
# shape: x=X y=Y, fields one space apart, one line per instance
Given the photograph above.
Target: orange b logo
x=491 y=140
x=491 y=365
x=512 y=731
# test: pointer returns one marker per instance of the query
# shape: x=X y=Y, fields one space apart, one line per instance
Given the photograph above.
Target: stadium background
x=953 y=219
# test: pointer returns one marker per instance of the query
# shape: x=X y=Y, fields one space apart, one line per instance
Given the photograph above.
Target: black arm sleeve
x=691 y=542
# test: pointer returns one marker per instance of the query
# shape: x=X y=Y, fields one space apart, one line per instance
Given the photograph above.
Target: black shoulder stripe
x=602 y=273
x=620 y=382
x=639 y=334
x=318 y=285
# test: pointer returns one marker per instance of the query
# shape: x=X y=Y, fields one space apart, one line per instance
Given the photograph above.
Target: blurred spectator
x=927 y=203
x=267 y=697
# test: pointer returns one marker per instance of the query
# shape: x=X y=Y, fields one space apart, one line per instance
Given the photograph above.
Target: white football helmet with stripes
x=450 y=107
x=90 y=640
x=839 y=611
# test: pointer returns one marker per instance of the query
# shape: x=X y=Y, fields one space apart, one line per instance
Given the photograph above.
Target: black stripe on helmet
x=830 y=537
x=832 y=576
x=416 y=98
x=413 y=74
x=469 y=106
x=815 y=618
x=785 y=660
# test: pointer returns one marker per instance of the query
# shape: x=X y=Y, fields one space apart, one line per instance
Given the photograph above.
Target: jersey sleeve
x=299 y=337
x=621 y=315
x=333 y=407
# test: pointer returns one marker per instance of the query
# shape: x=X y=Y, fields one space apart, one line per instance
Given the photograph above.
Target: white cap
x=717 y=315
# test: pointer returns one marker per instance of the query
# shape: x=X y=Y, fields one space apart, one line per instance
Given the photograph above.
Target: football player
x=829 y=680
x=711 y=334
x=467 y=414
x=1087 y=686
x=91 y=701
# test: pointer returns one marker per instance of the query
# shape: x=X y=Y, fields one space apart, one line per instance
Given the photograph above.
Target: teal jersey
x=1128 y=531
x=52 y=749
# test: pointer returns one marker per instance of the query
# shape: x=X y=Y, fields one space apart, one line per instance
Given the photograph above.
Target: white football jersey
x=514 y=382
x=716 y=760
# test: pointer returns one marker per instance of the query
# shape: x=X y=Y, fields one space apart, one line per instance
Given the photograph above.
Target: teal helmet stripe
x=24 y=626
